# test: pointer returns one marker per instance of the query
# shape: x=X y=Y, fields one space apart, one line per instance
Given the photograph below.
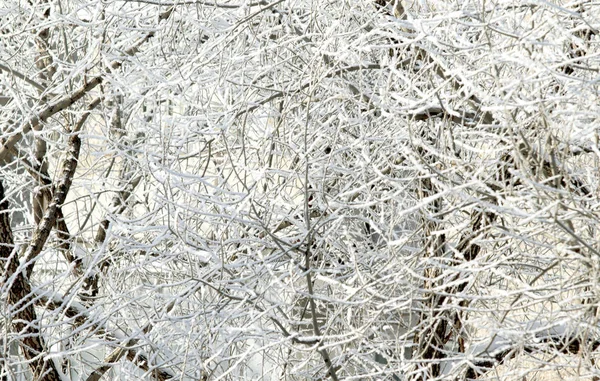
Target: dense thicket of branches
x=297 y=189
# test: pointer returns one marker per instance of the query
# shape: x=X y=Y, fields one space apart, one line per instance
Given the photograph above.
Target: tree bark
x=24 y=319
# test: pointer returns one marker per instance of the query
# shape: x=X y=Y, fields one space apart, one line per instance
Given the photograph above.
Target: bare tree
x=281 y=190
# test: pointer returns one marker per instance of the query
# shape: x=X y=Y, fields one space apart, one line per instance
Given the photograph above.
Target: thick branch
x=24 y=318
x=43 y=229
x=43 y=178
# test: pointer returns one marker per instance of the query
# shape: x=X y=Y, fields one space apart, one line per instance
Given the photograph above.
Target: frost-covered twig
x=68 y=100
x=82 y=317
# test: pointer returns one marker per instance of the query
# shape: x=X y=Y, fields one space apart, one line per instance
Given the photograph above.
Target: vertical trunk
x=431 y=339
x=24 y=319
x=44 y=62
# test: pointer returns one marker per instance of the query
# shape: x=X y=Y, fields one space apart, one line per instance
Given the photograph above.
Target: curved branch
x=23 y=77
